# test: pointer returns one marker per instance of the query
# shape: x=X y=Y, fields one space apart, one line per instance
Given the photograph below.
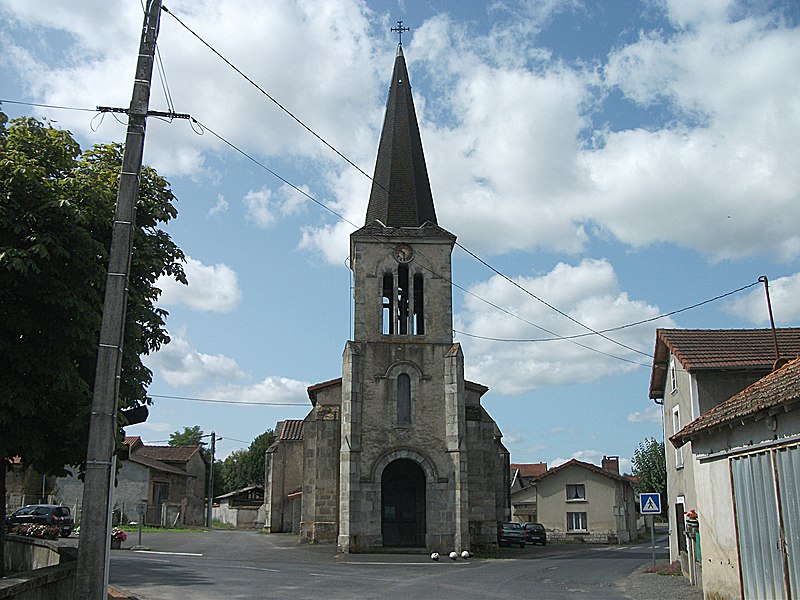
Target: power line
x=547 y=304
x=264 y=92
x=619 y=327
x=2 y=101
x=214 y=401
x=450 y=281
x=555 y=336
x=350 y=162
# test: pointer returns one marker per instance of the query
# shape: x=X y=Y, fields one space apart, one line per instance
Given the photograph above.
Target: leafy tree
x=191 y=436
x=246 y=467
x=56 y=209
x=650 y=467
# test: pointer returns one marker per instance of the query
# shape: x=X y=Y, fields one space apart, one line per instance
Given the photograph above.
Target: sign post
x=650 y=504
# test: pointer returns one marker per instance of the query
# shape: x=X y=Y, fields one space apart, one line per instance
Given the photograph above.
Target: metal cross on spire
x=400 y=29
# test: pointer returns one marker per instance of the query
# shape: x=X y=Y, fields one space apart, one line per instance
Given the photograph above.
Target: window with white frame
x=673 y=377
x=676 y=427
x=576 y=521
x=576 y=492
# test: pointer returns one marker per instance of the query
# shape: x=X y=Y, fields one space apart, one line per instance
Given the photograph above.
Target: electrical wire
x=264 y=92
x=618 y=328
x=555 y=336
x=2 y=101
x=214 y=401
x=351 y=163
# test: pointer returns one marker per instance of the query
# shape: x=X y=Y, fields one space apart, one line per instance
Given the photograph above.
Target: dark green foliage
x=191 y=436
x=56 y=210
x=244 y=467
x=650 y=467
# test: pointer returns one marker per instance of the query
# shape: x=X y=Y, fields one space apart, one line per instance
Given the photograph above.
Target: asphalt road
x=240 y=565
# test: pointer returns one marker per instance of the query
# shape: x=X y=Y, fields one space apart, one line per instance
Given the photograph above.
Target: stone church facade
x=398 y=452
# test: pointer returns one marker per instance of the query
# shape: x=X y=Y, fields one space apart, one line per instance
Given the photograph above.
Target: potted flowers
x=117 y=537
x=692 y=522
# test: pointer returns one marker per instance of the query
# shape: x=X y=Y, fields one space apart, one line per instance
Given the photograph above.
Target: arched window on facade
x=403 y=399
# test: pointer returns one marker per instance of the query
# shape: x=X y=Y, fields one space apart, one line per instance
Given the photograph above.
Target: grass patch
x=217 y=524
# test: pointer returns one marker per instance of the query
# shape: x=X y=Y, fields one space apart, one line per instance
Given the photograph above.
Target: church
x=398 y=452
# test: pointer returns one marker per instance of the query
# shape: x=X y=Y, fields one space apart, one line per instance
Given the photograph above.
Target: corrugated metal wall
x=757 y=523
x=787 y=462
x=768 y=522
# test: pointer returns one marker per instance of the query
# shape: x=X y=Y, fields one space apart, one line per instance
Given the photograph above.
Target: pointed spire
x=401 y=192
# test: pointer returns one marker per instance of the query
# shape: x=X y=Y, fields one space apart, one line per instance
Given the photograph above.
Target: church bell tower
x=402 y=459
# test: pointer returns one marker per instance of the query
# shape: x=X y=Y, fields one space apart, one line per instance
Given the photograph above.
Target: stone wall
x=37 y=570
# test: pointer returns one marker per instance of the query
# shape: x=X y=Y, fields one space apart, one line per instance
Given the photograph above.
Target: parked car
x=511 y=534
x=535 y=533
x=43 y=514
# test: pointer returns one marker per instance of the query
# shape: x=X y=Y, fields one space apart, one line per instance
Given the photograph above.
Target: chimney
x=611 y=464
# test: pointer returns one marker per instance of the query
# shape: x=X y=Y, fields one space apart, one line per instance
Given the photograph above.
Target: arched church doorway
x=403 y=504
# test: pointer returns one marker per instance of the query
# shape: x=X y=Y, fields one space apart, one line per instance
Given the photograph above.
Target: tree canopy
x=650 y=467
x=191 y=436
x=56 y=209
x=243 y=467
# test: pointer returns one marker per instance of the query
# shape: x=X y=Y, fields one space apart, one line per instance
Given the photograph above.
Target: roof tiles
x=168 y=453
x=291 y=429
x=698 y=349
x=777 y=389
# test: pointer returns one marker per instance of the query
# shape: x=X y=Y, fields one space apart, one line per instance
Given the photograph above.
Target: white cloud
x=220 y=207
x=212 y=288
x=784 y=295
x=272 y=389
x=264 y=206
x=259 y=207
x=588 y=292
x=651 y=414
x=512 y=437
x=182 y=365
x=563 y=430
x=515 y=157
x=714 y=178
x=157 y=427
x=591 y=456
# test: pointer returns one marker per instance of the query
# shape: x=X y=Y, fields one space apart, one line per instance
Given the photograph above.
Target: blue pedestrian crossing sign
x=650 y=504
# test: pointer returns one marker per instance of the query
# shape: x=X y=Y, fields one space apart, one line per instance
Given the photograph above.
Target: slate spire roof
x=401 y=192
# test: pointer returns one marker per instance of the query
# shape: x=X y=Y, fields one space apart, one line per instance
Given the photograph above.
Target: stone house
x=284 y=478
x=580 y=501
x=747 y=462
x=398 y=452
x=693 y=371
x=169 y=480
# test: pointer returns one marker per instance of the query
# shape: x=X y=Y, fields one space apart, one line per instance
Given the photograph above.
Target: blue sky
x=617 y=159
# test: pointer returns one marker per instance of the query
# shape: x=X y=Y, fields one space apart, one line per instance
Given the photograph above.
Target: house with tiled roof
x=284 y=477
x=579 y=501
x=747 y=455
x=170 y=481
x=694 y=371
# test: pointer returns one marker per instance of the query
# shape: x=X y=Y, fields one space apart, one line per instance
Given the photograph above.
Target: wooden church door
x=403 y=504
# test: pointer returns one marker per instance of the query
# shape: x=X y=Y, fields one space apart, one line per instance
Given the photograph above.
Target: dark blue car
x=535 y=533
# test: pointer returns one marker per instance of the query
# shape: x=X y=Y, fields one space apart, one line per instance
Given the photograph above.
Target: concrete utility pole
x=210 y=499
x=91 y=578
